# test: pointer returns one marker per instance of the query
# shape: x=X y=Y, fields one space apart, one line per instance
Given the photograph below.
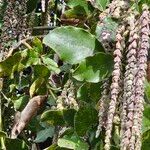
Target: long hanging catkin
x=129 y=84
x=14 y=26
x=142 y=53
x=103 y=107
x=116 y=75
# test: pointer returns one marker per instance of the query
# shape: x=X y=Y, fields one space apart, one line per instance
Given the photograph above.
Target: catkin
x=67 y=98
x=103 y=106
x=129 y=84
x=142 y=53
x=14 y=26
x=116 y=75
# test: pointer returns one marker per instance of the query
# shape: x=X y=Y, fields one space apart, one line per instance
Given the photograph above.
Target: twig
x=24 y=42
x=26 y=115
x=27 y=45
x=43 y=28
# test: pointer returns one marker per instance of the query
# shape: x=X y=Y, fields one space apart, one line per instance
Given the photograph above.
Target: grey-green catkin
x=67 y=98
x=142 y=54
x=103 y=107
x=115 y=86
x=129 y=84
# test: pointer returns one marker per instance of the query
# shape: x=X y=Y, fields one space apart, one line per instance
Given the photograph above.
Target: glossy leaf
x=72 y=142
x=51 y=64
x=32 y=58
x=41 y=71
x=147 y=91
x=93 y=90
x=44 y=134
x=68 y=115
x=37 y=84
x=38 y=45
x=75 y=12
x=84 y=119
x=81 y=3
x=10 y=65
x=100 y=4
x=71 y=44
x=53 y=117
x=20 y=103
x=146 y=141
x=95 y=68
x=59 y=117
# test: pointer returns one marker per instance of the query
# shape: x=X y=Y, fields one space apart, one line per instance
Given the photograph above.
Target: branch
x=22 y=42
x=43 y=28
x=26 y=115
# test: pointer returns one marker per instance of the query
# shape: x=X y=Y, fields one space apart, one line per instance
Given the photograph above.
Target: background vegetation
x=65 y=68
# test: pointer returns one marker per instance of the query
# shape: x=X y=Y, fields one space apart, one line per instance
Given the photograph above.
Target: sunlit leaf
x=100 y=4
x=38 y=44
x=20 y=103
x=59 y=117
x=81 y=3
x=53 y=117
x=51 y=64
x=72 y=142
x=95 y=68
x=37 y=84
x=71 y=44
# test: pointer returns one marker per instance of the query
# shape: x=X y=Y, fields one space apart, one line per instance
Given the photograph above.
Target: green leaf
x=3 y=134
x=32 y=58
x=15 y=144
x=10 y=65
x=68 y=115
x=81 y=3
x=95 y=68
x=101 y=4
x=72 y=142
x=34 y=124
x=51 y=64
x=147 y=91
x=36 y=85
x=71 y=44
x=44 y=134
x=38 y=44
x=75 y=12
x=84 y=119
x=146 y=141
x=20 y=103
x=146 y=119
x=82 y=92
x=41 y=71
x=59 y=117
x=93 y=90
x=53 y=117
x=18 y=62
